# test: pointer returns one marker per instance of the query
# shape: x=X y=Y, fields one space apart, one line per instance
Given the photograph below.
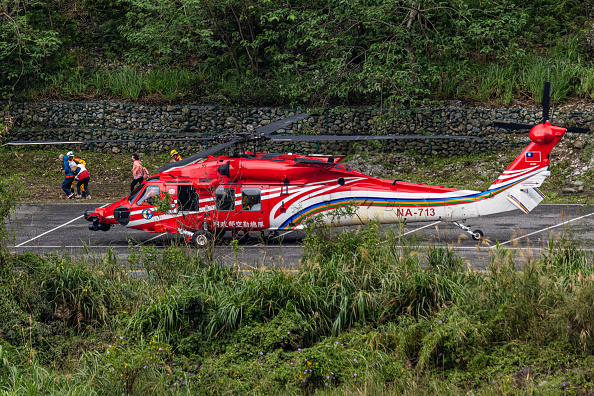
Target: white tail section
x=525 y=199
x=525 y=178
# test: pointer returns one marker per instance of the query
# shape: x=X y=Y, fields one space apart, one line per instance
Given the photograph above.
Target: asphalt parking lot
x=60 y=227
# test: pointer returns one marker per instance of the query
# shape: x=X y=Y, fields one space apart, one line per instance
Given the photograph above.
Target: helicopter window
x=250 y=199
x=225 y=198
x=134 y=193
x=149 y=196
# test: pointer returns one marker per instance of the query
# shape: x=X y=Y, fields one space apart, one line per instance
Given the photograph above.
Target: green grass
x=110 y=173
x=499 y=82
x=125 y=83
x=503 y=83
x=366 y=312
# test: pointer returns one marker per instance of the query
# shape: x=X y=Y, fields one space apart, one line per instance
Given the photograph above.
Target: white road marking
x=156 y=246
x=75 y=247
x=542 y=230
x=282 y=235
x=420 y=228
x=54 y=229
x=285 y=247
x=148 y=240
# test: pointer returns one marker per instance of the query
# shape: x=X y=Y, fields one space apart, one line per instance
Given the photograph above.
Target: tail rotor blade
x=512 y=125
x=546 y=101
x=578 y=130
x=522 y=127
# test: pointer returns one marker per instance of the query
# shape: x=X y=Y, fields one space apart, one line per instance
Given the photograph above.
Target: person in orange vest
x=75 y=161
x=175 y=156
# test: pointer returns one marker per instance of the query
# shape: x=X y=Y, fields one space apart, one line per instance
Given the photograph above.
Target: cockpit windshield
x=134 y=193
x=149 y=196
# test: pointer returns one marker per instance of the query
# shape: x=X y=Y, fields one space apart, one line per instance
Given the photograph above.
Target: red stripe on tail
x=535 y=156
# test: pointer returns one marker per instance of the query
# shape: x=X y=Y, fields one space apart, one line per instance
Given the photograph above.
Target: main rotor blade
x=196 y=157
x=546 y=100
x=317 y=138
x=43 y=142
x=281 y=124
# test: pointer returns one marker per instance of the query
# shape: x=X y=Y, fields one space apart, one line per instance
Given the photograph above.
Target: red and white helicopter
x=274 y=192
x=207 y=194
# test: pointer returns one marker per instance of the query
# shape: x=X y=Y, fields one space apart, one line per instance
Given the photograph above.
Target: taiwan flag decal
x=532 y=156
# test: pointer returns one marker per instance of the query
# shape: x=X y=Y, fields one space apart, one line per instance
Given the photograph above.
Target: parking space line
x=156 y=246
x=420 y=228
x=148 y=240
x=54 y=229
x=542 y=230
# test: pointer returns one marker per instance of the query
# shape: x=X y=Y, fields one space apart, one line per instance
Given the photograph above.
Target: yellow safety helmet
x=172 y=153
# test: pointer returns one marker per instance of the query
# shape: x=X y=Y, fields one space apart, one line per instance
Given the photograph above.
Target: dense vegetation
x=272 y=52
x=365 y=313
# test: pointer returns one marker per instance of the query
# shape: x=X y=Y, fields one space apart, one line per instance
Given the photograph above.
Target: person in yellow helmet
x=175 y=156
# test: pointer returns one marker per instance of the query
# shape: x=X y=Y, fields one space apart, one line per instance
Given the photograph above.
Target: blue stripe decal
x=443 y=201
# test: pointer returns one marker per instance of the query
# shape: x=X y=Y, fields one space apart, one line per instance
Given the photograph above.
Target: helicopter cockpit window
x=250 y=199
x=134 y=193
x=225 y=198
x=149 y=196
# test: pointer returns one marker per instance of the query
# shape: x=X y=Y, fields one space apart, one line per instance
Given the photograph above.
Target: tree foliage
x=386 y=52
x=25 y=46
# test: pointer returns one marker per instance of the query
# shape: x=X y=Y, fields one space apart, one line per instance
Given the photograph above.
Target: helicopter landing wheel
x=201 y=238
x=477 y=235
x=265 y=235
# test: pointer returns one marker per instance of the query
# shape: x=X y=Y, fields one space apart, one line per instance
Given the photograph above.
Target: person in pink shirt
x=139 y=172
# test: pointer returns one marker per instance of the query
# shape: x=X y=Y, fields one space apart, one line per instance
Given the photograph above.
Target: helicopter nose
x=88 y=214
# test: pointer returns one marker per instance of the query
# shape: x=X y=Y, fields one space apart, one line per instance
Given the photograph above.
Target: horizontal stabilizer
x=525 y=199
x=535 y=181
x=524 y=178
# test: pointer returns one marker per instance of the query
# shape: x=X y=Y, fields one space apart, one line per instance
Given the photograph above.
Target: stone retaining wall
x=116 y=120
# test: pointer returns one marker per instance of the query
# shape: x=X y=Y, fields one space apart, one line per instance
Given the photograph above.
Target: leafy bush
x=367 y=311
x=11 y=192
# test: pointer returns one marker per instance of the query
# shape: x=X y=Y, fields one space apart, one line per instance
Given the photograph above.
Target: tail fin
x=527 y=169
x=520 y=181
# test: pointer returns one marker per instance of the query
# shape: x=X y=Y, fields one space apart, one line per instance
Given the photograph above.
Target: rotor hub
x=545 y=133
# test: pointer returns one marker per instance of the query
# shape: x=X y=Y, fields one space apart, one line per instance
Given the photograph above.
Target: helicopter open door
x=187 y=199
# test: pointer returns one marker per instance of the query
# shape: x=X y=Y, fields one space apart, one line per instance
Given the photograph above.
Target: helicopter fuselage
x=258 y=192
